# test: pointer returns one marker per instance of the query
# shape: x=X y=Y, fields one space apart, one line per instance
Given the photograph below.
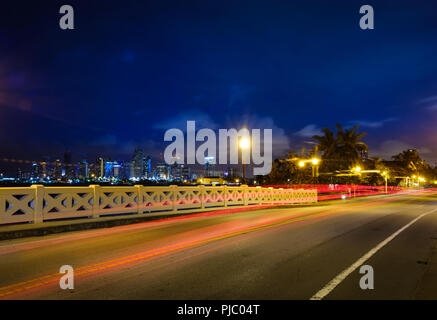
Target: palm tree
x=349 y=146
x=343 y=150
x=327 y=142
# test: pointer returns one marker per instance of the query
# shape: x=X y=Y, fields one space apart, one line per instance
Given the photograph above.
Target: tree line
x=343 y=158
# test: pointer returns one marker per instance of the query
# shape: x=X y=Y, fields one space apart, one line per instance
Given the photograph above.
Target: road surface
x=280 y=253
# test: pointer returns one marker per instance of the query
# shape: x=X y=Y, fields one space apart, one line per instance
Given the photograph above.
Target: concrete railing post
x=258 y=189
x=245 y=194
x=225 y=196
x=96 y=199
x=202 y=195
x=173 y=193
x=271 y=195
x=38 y=203
x=140 y=202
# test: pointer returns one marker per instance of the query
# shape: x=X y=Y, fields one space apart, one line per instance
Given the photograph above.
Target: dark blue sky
x=132 y=69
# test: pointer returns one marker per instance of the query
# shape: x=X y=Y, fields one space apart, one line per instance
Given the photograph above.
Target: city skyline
x=140 y=166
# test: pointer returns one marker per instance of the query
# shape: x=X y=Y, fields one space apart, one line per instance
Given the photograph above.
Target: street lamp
x=315 y=165
x=244 y=145
x=385 y=175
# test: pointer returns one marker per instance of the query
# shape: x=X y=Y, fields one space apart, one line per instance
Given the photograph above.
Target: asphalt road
x=280 y=253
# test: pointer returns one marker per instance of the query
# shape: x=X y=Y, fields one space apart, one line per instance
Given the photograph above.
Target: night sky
x=132 y=69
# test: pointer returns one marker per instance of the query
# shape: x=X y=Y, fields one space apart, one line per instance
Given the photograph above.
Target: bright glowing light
x=301 y=163
x=244 y=143
x=357 y=169
x=343 y=197
x=315 y=161
x=421 y=179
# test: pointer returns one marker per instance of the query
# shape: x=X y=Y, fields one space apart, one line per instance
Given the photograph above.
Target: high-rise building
x=69 y=166
x=57 y=169
x=148 y=167
x=138 y=163
x=162 y=171
x=186 y=173
x=43 y=170
x=101 y=162
x=127 y=170
x=209 y=166
x=82 y=170
x=35 y=171
x=112 y=169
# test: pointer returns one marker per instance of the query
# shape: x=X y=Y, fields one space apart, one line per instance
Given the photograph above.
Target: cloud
x=389 y=148
x=428 y=99
x=371 y=124
x=431 y=103
x=280 y=141
x=432 y=107
x=309 y=131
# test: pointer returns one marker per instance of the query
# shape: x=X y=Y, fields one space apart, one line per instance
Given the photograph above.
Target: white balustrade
x=38 y=203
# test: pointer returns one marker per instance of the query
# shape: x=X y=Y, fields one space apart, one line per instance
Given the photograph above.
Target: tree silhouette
x=343 y=151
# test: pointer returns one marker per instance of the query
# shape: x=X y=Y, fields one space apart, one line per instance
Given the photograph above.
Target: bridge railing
x=38 y=203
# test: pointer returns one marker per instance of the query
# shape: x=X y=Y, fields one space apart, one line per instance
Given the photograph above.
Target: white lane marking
x=343 y=275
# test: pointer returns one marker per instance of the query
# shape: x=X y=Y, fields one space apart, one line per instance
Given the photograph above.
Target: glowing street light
x=315 y=168
x=357 y=169
x=244 y=145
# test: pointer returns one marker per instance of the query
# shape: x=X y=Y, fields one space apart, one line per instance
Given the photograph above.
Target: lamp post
x=315 y=166
x=357 y=171
x=385 y=175
x=244 y=145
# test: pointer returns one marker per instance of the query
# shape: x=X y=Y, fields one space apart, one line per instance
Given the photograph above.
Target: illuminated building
x=148 y=167
x=112 y=169
x=162 y=171
x=209 y=166
x=138 y=163
x=82 y=170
